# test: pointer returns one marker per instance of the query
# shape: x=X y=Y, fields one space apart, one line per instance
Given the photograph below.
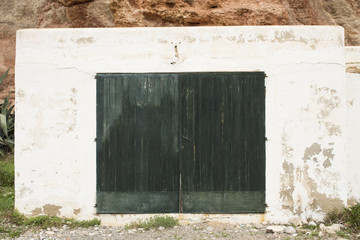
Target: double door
x=181 y=142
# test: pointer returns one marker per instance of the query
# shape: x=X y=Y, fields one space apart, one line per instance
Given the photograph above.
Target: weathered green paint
x=223 y=128
x=208 y=128
x=138 y=202
x=224 y=202
x=137 y=142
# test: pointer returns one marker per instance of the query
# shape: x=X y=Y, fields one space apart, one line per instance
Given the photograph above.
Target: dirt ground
x=192 y=231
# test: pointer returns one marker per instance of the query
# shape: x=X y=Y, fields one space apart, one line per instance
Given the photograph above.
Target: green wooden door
x=223 y=141
x=137 y=143
x=186 y=142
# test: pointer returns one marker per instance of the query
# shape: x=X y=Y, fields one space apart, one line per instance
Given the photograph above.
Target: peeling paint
x=333 y=130
x=352 y=201
x=20 y=93
x=162 y=40
x=73 y=96
x=287 y=186
x=327 y=152
x=231 y=38
x=84 y=40
x=319 y=202
x=327 y=163
x=77 y=211
x=325 y=101
x=286 y=149
x=189 y=39
x=218 y=37
x=288 y=167
x=328 y=100
x=262 y=37
x=51 y=210
x=36 y=212
x=286 y=36
x=312 y=151
x=353 y=69
x=325 y=203
x=24 y=190
x=351 y=102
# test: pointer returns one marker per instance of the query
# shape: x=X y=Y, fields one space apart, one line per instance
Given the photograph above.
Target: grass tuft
x=45 y=221
x=353 y=216
x=343 y=234
x=154 y=222
x=7 y=172
x=310 y=227
x=7 y=195
x=349 y=216
x=10 y=231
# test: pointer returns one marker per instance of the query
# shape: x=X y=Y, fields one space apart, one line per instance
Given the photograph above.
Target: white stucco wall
x=305 y=108
x=353 y=122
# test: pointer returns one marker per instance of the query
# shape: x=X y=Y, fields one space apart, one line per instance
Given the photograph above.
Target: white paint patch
x=305 y=104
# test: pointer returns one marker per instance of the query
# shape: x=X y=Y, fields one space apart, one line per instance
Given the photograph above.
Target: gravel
x=191 y=231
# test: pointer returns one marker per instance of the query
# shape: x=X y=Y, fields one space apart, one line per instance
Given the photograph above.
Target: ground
x=191 y=231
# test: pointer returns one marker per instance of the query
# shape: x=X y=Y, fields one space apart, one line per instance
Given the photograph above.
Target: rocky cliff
x=15 y=15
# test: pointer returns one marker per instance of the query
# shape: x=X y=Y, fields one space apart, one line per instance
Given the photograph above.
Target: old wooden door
x=185 y=142
x=223 y=141
x=137 y=143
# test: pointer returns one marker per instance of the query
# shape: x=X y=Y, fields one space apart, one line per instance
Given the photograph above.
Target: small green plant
x=17 y=218
x=314 y=233
x=45 y=221
x=310 y=227
x=343 y=234
x=353 y=216
x=154 y=222
x=7 y=121
x=84 y=223
x=7 y=172
x=7 y=195
x=177 y=237
x=11 y=232
x=349 y=216
x=335 y=216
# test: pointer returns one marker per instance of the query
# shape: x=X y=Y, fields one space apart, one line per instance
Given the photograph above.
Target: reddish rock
x=198 y=13
x=345 y=13
x=87 y=14
x=7 y=60
x=73 y=2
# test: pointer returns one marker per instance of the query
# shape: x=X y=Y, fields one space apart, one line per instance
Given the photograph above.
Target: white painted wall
x=305 y=109
x=353 y=122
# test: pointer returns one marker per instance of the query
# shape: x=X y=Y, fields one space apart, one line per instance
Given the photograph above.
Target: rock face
x=15 y=15
x=198 y=13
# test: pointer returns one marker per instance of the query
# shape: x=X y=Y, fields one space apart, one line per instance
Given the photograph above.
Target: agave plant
x=7 y=120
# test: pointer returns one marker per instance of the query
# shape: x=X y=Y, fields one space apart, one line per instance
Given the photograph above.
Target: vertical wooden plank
x=99 y=133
